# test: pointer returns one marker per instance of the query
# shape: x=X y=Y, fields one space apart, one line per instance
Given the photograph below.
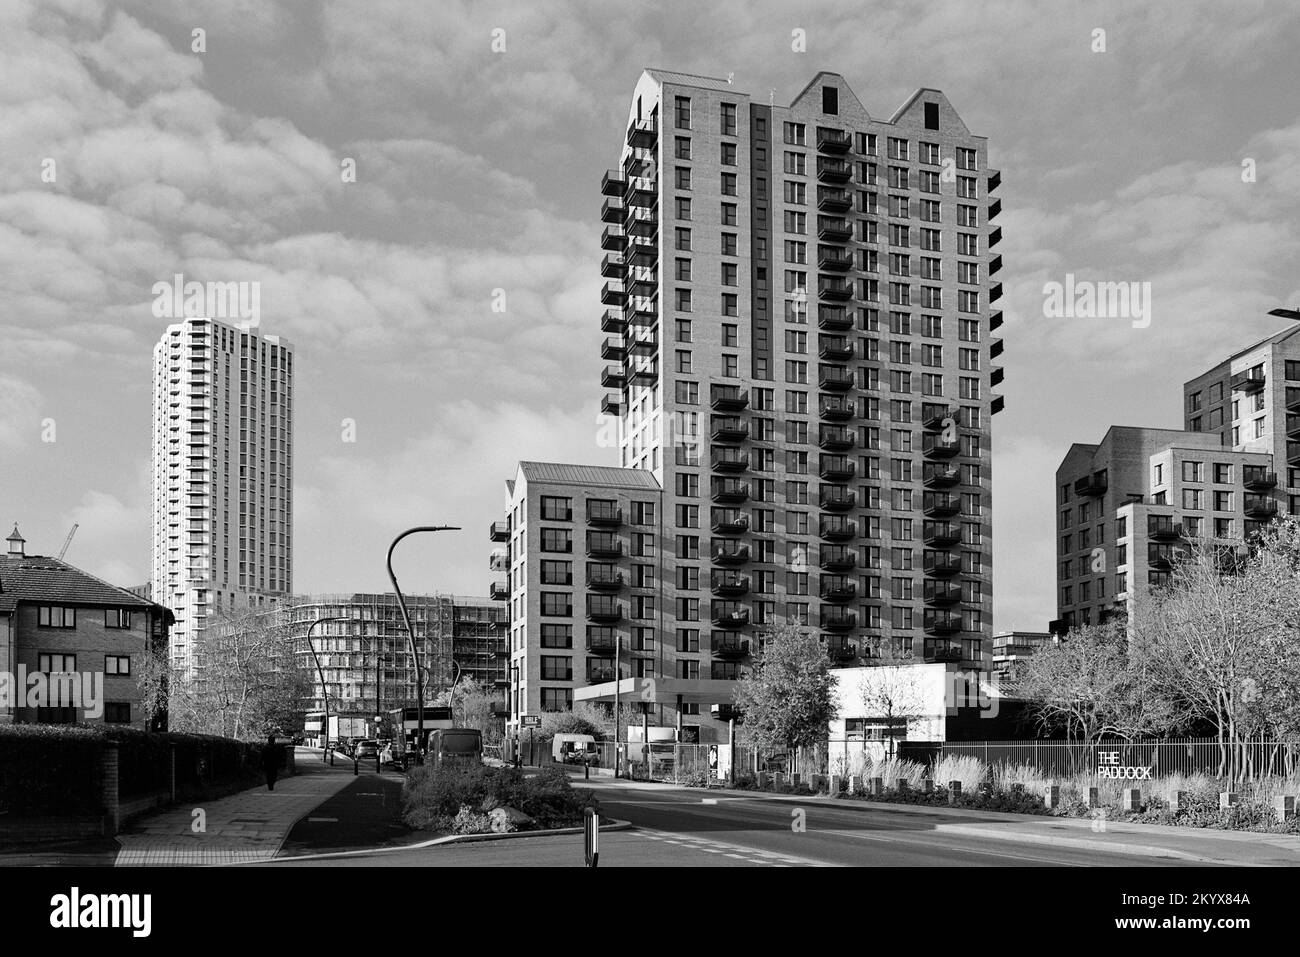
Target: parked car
x=365 y=749
x=455 y=746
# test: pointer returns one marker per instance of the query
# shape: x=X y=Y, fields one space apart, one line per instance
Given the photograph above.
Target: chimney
x=16 y=543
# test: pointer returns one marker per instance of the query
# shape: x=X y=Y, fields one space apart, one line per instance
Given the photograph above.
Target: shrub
x=432 y=795
x=468 y=821
x=970 y=771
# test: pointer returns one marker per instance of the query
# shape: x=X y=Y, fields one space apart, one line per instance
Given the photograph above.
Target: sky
x=1164 y=149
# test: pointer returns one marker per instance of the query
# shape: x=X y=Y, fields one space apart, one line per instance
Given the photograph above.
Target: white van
x=575 y=749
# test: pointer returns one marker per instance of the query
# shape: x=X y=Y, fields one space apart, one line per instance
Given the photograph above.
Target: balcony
x=837 y=558
x=730 y=647
x=833 y=229
x=942 y=564
x=612 y=321
x=610 y=405
x=941 y=505
x=1293 y=426
x=728 y=428
x=837 y=468
x=941 y=593
x=605 y=581
x=641 y=192
x=612 y=210
x=835 y=439
x=729 y=522
x=841 y=651
x=995 y=321
x=838 y=588
x=833 y=141
x=612 y=377
x=1292 y=399
x=729 y=586
x=835 y=348
x=605 y=514
x=730 y=618
x=843 y=530
x=642 y=341
x=605 y=611
x=499 y=591
x=642 y=135
x=836 y=408
x=641 y=224
x=1293 y=453
x=1092 y=485
x=603 y=545
x=643 y=373
x=1261 y=507
x=942 y=534
x=729 y=460
x=643 y=312
x=831 y=258
x=613 y=183
x=995 y=209
x=941 y=476
x=997 y=405
x=838 y=619
x=729 y=491
x=835 y=379
x=1251 y=380
x=1162 y=557
x=1259 y=480
x=831 y=170
x=613 y=294
x=613 y=266
x=933 y=446
x=499 y=532
x=729 y=398
x=612 y=350
x=732 y=553
x=833 y=287
x=602 y=644
x=1162 y=528
x=935 y=418
x=940 y=623
x=996 y=375
x=834 y=319
x=837 y=498
x=834 y=200
x=994 y=179
x=613 y=238
x=599 y=676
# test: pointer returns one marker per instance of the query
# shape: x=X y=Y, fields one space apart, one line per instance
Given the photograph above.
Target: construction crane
x=67 y=541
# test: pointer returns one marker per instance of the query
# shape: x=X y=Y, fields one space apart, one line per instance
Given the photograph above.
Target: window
x=830 y=100
x=557 y=573
x=795 y=134
x=56 y=616
x=557 y=699
x=557 y=604
x=557 y=636
x=55 y=664
x=556 y=540
x=932 y=116
x=683 y=237
x=117 y=618
x=728 y=184
x=682 y=148
x=1193 y=472
x=682 y=111
x=556 y=509
x=117 y=664
x=683 y=204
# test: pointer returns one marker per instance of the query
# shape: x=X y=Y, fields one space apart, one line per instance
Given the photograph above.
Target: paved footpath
x=243 y=828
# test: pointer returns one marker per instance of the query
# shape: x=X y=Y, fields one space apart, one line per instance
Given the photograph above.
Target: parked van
x=575 y=749
x=455 y=746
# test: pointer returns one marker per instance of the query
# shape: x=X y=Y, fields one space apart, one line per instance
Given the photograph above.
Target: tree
x=892 y=692
x=1092 y=683
x=788 y=696
x=1221 y=638
x=245 y=683
x=471 y=707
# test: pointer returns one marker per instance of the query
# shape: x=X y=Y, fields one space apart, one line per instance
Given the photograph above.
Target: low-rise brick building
x=56 y=619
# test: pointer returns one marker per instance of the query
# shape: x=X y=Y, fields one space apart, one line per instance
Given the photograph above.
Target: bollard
x=1052 y=796
x=1284 y=805
x=795 y=778
x=1018 y=788
x=586 y=771
x=902 y=785
x=927 y=785
x=1094 y=797
x=855 y=784
x=837 y=784
x=877 y=786
x=778 y=780
x=1132 y=799
x=1227 y=799
x=762 y=780
x=1180 y=802
x=954 y=792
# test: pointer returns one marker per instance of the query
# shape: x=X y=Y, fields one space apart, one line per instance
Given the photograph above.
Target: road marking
x=751 y=855
x=952 y=849
x=709 y=801
x=322 y=820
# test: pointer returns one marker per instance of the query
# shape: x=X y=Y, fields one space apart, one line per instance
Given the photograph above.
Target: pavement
x=246 y=827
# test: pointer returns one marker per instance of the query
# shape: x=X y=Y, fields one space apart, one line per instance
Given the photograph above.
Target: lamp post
x=410 y=634
x=324 y=688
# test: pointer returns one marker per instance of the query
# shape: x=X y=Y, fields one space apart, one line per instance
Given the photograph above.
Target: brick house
x=58 y=619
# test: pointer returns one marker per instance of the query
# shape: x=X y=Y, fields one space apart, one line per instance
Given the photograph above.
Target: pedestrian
x=272 y=758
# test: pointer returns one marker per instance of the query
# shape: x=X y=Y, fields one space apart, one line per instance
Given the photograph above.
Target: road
x=679 y=827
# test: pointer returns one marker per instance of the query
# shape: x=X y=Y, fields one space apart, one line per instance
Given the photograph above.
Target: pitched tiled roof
x=557 y=473
x=38 y=578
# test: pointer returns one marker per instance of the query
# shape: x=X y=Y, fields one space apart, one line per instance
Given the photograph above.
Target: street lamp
x=410 y=634
x=325 y=691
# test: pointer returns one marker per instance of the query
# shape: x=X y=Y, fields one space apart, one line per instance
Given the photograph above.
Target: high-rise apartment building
x=1128 y=505
x=222 y=473
x=800 y=318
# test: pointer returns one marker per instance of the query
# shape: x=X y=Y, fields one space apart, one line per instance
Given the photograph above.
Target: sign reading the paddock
x=1108 y=766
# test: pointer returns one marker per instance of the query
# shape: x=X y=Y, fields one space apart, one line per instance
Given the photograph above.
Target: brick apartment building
x=58 y=619
x=1127 y=505
x=800 y=320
